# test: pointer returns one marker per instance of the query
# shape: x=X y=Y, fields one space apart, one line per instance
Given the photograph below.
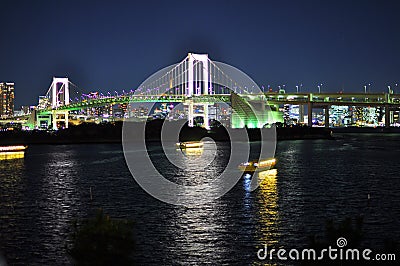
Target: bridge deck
x=317 y=99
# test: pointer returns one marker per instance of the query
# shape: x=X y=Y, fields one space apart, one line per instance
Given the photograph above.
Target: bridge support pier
x=301 y=113
x=59 y=116
x=42 y=120
x=387 y=116
x=54 y=120
x=205 y=117
x=190 y=114
x=327 y=116
x=309 y=114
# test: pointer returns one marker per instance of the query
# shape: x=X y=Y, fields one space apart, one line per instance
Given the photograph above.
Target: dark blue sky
x=115 y=45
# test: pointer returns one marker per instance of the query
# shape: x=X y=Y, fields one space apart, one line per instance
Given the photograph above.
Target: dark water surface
x=315 y=180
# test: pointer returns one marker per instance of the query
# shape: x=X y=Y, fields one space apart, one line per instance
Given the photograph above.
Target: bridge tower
x=198 y=71
x=59 y=94
x=59 y=97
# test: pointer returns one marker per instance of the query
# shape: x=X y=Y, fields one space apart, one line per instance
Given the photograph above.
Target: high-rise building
x=286 y=114
x=368 y=116
x=340 y=115
x=6 y=99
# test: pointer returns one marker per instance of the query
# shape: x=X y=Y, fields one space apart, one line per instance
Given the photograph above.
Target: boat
x=190 y=144
x=12 y=152
x=15 y=148
x=255 y=165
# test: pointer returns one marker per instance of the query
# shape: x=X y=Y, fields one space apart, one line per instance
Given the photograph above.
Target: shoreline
x=111 y=133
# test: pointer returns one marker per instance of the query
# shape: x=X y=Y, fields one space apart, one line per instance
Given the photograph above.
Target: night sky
x=115 y=45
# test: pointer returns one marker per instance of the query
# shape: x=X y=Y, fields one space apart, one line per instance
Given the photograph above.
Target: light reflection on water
x=267 y=197
x=42 y=193
x=59 y=191
x=11 y=155
x=11 y=181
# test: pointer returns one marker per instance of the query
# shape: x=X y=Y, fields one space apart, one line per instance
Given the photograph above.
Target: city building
x=44 y=102
x=6 y=99
x=368 y=116
x=340 y=116
x=139 y=111
x=286 y=114
x=293 y=114
x=27 y=109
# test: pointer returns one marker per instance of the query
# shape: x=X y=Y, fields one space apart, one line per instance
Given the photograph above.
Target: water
x=315 y=180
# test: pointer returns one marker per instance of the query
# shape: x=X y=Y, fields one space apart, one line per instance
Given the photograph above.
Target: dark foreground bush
x=102 y=241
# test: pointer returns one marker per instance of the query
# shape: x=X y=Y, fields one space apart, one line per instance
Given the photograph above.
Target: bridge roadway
x=312 y=100
x=316 y=99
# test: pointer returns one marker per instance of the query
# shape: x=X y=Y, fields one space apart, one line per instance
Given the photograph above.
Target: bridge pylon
x=59 y=94
x=198 y=70
x=48 y=113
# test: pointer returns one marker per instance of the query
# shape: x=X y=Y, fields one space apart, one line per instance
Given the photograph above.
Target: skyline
x=115 y=46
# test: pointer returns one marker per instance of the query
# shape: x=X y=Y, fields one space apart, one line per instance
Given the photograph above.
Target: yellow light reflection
x=268 y=215
x=268 y=178
x=11 y=155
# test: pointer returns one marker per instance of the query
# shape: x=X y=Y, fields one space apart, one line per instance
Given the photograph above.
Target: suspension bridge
x=198 y=82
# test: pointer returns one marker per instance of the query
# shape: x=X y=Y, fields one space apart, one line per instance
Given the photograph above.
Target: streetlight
x=365 y=89
x=319 y=88
x=297 y=88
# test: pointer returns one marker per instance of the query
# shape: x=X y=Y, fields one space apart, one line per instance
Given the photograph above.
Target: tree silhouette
x=102 y=241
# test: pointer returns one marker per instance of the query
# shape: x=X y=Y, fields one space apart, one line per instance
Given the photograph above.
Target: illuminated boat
x=13 y=148
x=12 y=152
x=255 y=165
x=190 y=144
